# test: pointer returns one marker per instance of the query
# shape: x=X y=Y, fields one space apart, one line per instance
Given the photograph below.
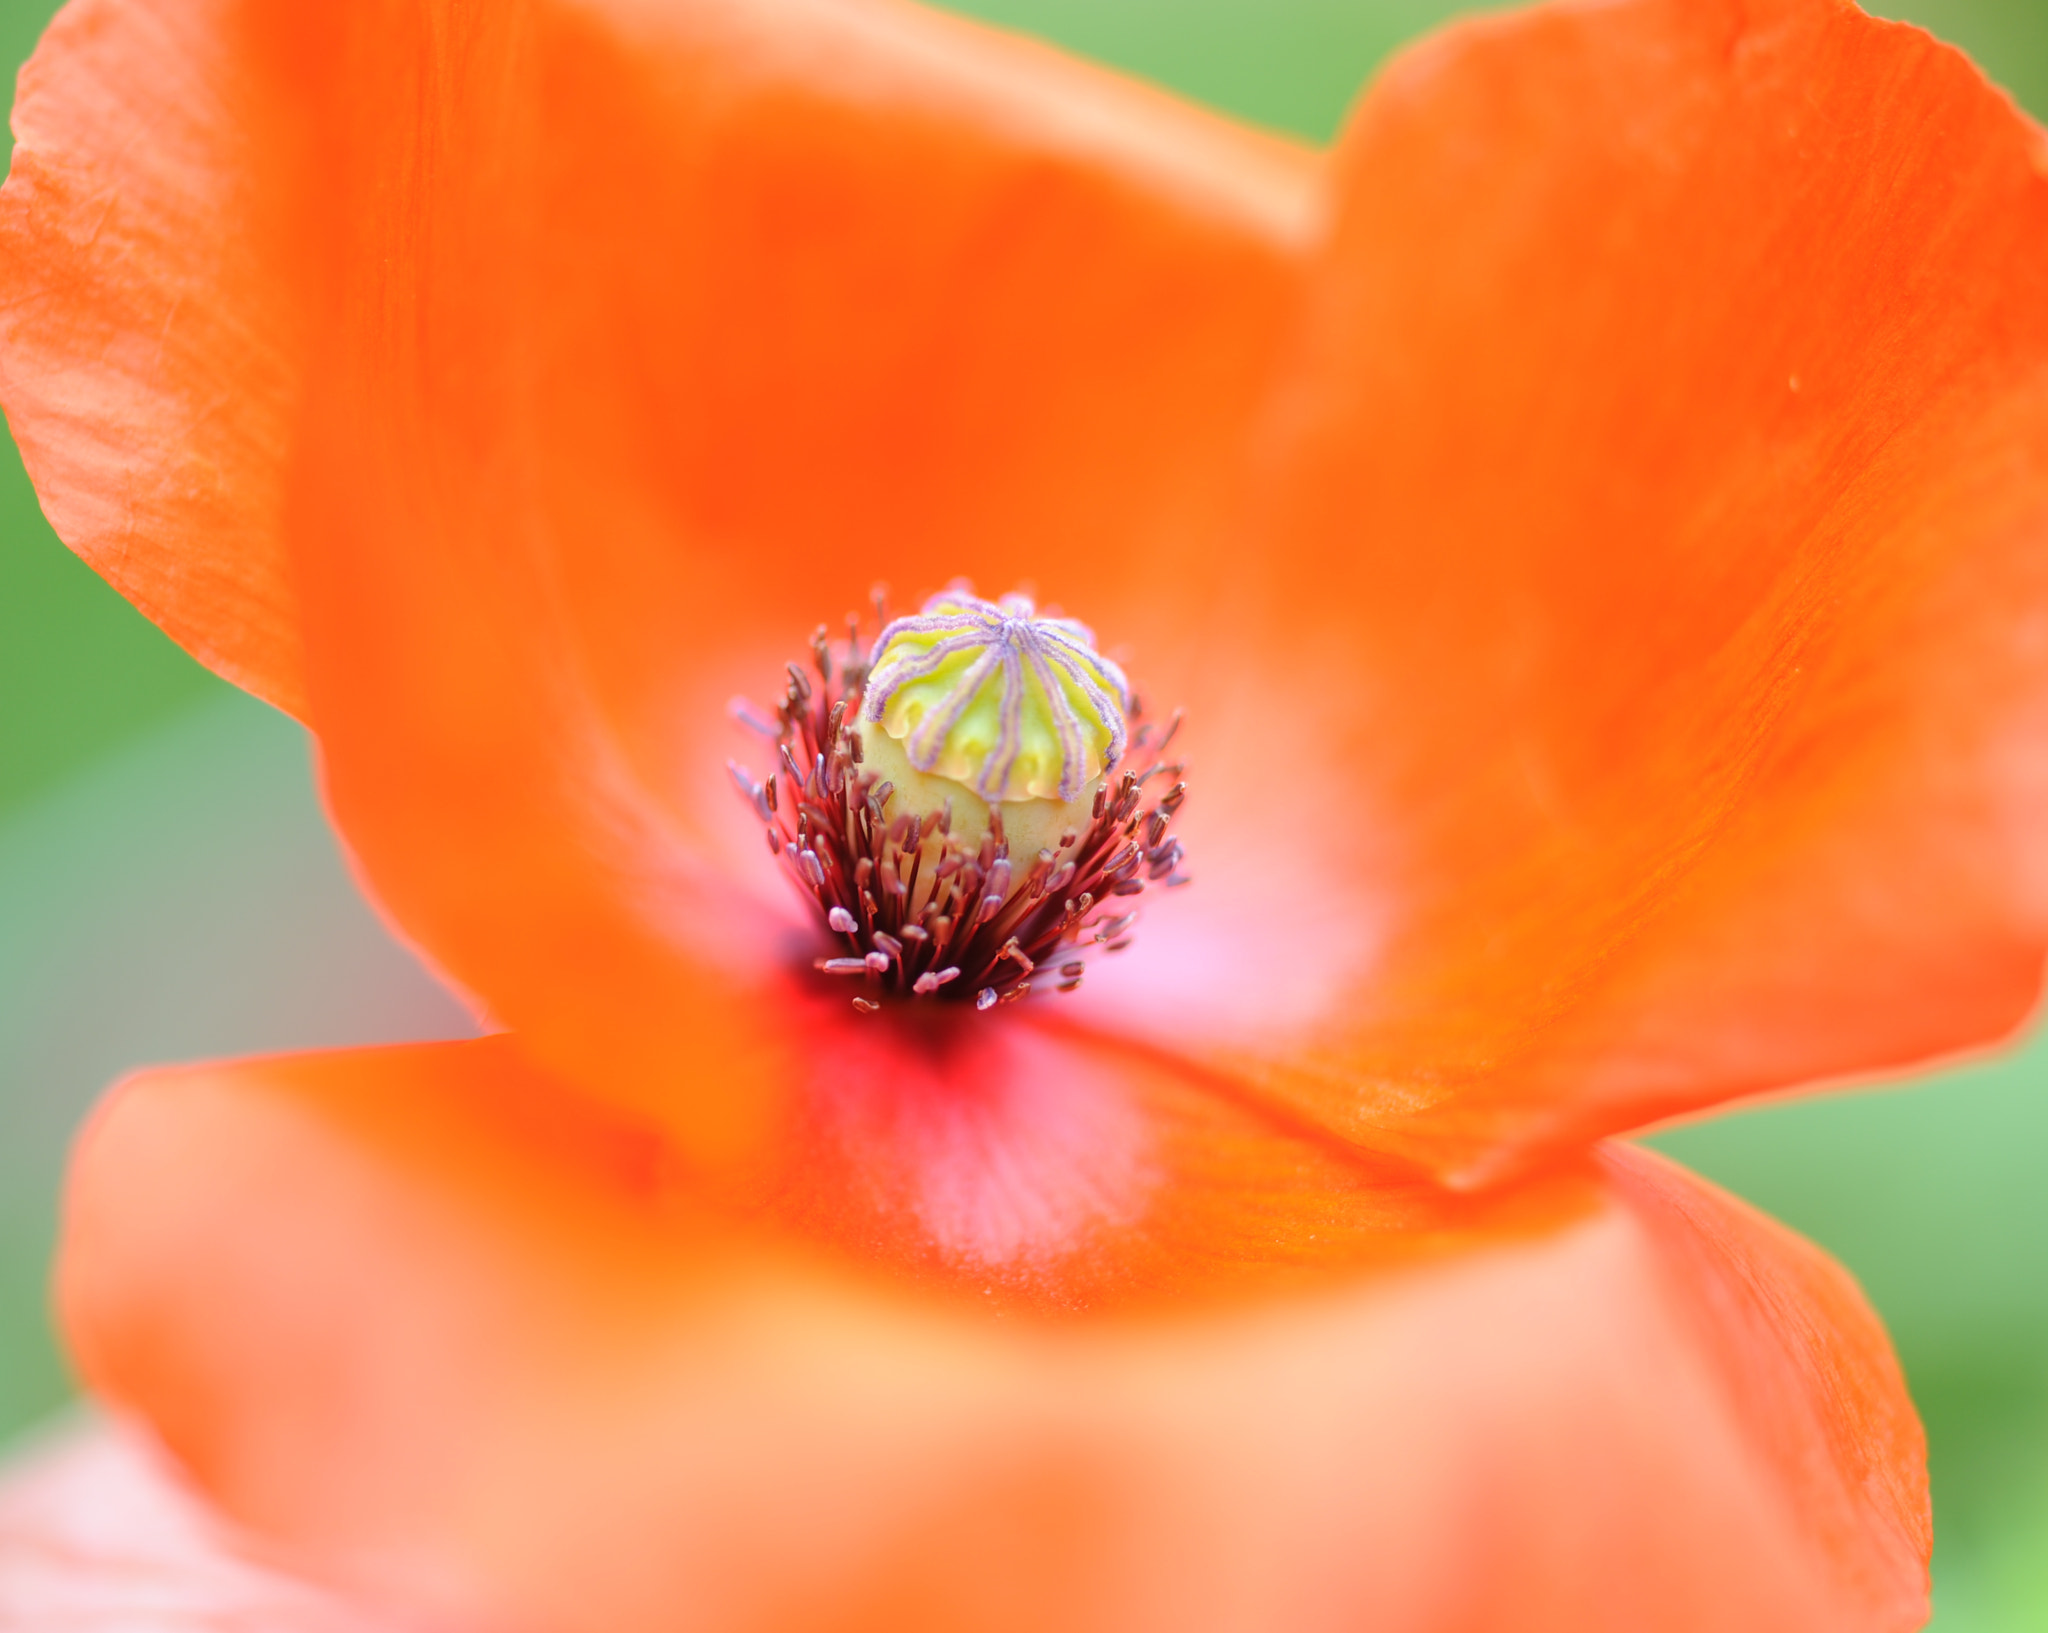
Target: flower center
x=953 y=802
x=1012 y=705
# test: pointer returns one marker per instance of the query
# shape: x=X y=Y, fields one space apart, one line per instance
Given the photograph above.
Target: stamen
x=921 y=864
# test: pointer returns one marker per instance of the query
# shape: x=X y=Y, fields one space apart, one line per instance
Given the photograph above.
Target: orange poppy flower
x=1593 y=516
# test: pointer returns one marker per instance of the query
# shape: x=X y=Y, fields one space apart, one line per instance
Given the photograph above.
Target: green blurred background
x=168 y=890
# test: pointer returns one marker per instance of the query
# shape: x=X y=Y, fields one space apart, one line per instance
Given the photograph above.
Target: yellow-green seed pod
x=975 y=705
x=989 y=695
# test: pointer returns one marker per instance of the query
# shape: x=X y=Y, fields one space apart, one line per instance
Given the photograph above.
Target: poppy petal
x=640 y=337
x=96 y=1532
x=1654 y=561
x=150 y=326
x=483 y=1357
x=657 y=333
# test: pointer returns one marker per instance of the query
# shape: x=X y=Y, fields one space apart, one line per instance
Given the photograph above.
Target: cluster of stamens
x=918 y=912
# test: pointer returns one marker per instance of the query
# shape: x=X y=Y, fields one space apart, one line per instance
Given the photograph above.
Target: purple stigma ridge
x=1024 y=654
